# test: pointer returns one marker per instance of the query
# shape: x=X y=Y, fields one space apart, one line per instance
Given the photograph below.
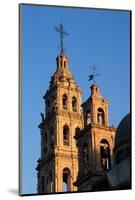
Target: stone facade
x=95 y=142
x=58 y=165
x=119 y=176
x=76 y=145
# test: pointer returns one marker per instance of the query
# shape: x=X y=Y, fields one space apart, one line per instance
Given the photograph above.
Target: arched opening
x=51 y=130
x=51 y=184
x=74 y=104
x=100 y=116
x=77 y=130
x=66 y=135
x=45 y=138
x=47 y=184
x=51 y=137
x=64 y=63
x=42 y=184
x=88 y=118
x=64 y=101
x=48 y=103
x=85 y=153
x=66 y=184
x=85 y=156
x=45 y=143
x=61 y=62
x=105 y=155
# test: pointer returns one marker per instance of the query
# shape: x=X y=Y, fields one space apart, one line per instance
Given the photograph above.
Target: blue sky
x=100 y=37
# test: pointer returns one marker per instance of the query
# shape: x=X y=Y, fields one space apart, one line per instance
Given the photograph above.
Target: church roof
x=123 y=134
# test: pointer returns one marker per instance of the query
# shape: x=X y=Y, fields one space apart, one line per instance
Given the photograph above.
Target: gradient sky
x=100 y=37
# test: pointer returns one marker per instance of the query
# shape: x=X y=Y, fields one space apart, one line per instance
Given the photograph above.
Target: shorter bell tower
x=99 y=107
x=95 y=142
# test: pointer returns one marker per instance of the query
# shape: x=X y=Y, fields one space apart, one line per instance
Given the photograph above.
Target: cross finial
x=94 y=74
x=62 y=32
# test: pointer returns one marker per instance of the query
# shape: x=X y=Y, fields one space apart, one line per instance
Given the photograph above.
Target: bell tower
x=95 y=142
x=99 y=107
x=58 y=165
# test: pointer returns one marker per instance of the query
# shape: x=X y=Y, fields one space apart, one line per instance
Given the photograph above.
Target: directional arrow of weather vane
x=94 y=74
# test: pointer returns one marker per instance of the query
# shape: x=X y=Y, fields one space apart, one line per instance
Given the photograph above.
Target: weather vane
x=94 y=74
x=62 y=32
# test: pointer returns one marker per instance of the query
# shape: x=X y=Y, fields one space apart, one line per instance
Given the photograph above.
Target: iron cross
x=62 y=32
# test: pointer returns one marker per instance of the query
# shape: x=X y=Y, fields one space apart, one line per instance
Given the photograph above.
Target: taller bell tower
x=58 y=165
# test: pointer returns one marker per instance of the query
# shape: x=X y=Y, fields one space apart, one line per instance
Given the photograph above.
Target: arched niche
x=105 y=158
x=100 y=116
x=74 y=104
x=66 y=180
x=64 y=101
x=66 y=135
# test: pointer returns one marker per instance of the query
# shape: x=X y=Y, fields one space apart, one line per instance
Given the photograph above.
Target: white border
x=9 y=96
